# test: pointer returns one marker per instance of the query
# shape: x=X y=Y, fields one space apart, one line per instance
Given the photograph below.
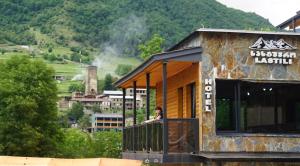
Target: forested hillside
x=118 y=23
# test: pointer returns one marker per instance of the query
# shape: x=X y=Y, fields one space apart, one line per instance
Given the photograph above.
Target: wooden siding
x=181 y=79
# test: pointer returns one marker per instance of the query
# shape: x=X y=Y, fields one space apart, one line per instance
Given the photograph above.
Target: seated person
x=158 y=115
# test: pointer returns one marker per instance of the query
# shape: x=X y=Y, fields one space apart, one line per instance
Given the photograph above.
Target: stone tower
x=91 y=80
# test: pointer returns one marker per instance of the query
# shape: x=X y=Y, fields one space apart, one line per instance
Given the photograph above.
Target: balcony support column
x=147 y=110
x=134 y=115
x=147 y=96
x=123 y=107
x=164 y=108
x=134 y=102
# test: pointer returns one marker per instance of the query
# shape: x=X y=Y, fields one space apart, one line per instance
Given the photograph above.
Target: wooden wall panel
x=182 y=79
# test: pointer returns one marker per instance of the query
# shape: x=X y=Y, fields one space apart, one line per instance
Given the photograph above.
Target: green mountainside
x=106 y=32
x=98 y=22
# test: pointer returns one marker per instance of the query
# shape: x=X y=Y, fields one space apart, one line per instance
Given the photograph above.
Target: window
x=225 y=101
x=251 y=107
x=191 y=100
x=180 y=102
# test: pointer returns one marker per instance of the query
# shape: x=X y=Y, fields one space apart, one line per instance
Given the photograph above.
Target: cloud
x=277 y=11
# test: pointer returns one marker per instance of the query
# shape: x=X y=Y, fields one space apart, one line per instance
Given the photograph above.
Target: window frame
x=237 y=111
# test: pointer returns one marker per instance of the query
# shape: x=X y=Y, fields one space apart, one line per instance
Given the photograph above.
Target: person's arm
x=150 y=120
x=158 y=117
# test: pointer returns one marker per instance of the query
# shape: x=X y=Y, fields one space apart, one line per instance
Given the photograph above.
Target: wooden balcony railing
x=183 y=136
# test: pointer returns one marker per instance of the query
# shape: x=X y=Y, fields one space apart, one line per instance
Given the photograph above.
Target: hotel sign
x=272 y=52
x=208 y=94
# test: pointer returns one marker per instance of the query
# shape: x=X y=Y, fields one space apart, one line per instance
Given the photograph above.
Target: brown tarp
x=36 y=161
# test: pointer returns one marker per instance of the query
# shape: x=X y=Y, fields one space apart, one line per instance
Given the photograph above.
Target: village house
x=226 y=96
x=106 y=122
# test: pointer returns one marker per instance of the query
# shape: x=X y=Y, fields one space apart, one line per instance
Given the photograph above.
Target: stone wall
x=227 y=56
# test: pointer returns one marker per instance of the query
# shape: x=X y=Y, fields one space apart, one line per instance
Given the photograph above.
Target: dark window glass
x=270 y=108
x=257 y=107
x=191 y=100
x=225 y=105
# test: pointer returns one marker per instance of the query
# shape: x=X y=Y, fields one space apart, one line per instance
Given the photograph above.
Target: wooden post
x=147 y=109
x=123 y=119
x=134 y=103
x=294 y=28
x=165 y=121
x=148 y=96
x=134 y=115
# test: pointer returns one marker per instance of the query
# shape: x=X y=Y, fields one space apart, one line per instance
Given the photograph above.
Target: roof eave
x=158 y=57
x=288 y=21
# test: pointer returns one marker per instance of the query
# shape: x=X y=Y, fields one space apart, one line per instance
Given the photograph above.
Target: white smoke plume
x=126 y=34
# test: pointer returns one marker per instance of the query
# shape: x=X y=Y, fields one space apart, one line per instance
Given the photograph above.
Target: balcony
x=146 y=141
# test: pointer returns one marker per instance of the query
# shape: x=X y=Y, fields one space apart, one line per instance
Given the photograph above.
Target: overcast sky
x=276 y=11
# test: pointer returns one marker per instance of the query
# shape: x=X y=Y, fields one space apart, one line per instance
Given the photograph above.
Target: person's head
x=158 y=110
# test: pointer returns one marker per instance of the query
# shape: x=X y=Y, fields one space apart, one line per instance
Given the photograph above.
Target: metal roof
x=248 y=31
x=121 y=97
x=174 y=47
x=107 y=115
x=112 y=92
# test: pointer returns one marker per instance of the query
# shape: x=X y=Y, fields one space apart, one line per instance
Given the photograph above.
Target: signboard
x=272 y=52
x=208 y=95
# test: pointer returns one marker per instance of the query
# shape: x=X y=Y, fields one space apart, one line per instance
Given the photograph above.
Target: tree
x=123 y=69
x=76 y=87
x=107 y=144
x=76 y=144
x=153 y=46
x=108 y=82
x=28 y=111
x=76 y=111
x=84 y=122
x=100 y=85
x=75 y=57
x=96 y=108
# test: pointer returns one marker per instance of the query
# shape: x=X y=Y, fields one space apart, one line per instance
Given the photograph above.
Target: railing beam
x=165 y=117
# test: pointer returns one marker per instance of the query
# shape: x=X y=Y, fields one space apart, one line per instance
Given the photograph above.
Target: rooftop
x=120 y=97
x=112 y=92
x=283 y=33
x=290 y=21
x=108 y=115
x=247 y=31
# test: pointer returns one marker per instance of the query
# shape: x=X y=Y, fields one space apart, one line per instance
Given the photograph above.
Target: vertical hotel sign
x=273 y=52
x=208 y=95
